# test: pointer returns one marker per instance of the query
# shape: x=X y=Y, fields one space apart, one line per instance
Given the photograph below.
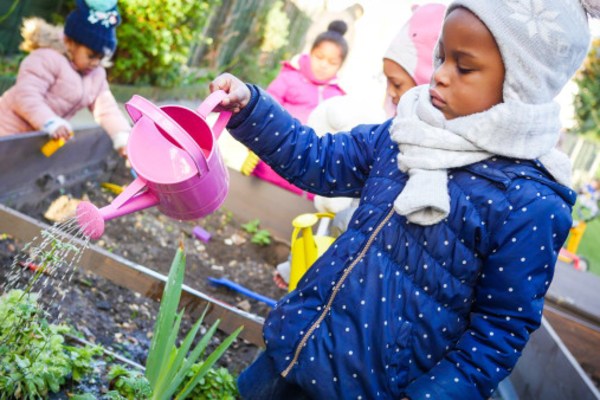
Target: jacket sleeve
x=508 y=303
x=107 y=113
x=332 y=165
x=37 y=74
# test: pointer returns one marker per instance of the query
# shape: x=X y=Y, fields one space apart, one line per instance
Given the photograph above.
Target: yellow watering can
x=306 y=247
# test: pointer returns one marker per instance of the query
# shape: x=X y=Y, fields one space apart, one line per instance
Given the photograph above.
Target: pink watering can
x=179 y=168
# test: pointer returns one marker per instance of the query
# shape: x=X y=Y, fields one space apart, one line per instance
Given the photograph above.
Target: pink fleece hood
x=413 y=46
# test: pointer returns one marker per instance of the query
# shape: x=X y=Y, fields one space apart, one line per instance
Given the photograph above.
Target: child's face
x=471 y=76
x=325 y=60
x=84 y=59
x=398 y=80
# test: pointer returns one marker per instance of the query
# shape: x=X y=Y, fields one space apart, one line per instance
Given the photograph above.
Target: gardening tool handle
x=208 y=106
x=243 y=290
x=139 y=107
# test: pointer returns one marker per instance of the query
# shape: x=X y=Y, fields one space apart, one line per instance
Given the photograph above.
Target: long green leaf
x=178 y=362
x=166 y=316
x=198 y=350
x=166 y=363
x=184 y=366
x=210 y=361
x=183 y=371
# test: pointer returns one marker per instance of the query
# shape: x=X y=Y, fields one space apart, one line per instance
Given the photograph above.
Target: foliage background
x=181 y=43
x=587 y=101
x=155 y=39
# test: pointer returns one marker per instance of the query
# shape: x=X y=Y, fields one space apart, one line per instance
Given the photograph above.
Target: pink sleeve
x=107 y=113
x=37 y=73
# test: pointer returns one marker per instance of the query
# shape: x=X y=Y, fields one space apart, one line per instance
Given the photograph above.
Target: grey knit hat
x=542 y=42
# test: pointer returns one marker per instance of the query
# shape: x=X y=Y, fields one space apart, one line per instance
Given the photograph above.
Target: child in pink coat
x=306 y=81
x=65 y=73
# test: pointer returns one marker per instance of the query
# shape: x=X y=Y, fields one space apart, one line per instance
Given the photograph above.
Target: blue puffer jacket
x=395 y=309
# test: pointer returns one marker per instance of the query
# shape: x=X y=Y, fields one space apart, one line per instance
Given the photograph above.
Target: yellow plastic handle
x=249 y=164
x=53 y=145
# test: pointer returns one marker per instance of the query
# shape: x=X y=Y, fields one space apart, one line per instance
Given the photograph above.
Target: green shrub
x=155 y=39
x=587 y=100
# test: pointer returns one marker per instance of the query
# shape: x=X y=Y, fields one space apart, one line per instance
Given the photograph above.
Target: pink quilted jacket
x=299 y=92
x=48 y=86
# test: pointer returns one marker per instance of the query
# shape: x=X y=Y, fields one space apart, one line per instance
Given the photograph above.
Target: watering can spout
x=91 y=219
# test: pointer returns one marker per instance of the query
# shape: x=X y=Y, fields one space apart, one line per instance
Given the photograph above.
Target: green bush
x=587 y=100
x=155 y=39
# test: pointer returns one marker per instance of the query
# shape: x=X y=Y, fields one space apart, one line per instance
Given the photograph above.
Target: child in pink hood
x=408 y=61
x=306 y=81
x=65 y=73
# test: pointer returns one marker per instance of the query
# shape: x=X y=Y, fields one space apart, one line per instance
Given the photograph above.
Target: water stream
x=45 y=267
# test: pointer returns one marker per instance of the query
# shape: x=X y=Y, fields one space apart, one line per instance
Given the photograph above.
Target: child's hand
x=238 y=93
x=62 y=132
x=58 y=128
x=122 y=151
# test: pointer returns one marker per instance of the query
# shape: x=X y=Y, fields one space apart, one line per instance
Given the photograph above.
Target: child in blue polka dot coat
x=436 y=286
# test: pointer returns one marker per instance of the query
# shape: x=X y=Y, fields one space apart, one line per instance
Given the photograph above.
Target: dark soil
x=122 y=320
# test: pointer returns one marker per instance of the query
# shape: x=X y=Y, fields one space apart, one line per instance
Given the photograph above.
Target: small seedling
x=261 y=237
x=252 y=226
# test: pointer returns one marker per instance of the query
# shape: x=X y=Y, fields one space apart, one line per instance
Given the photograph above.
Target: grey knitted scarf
x=430 y=145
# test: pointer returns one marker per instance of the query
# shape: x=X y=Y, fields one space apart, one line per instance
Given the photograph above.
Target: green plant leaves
x=261 y=237
x=166 y=318
x=587 y=100
x=155 y=39
x=35 y=361
x=33 y=358
x=167 y=365
x=252 y=226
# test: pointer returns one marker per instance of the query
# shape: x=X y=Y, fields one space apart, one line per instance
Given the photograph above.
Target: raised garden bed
x=121 y=319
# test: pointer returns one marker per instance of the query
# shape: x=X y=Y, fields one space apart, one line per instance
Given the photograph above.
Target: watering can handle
x=208 y=105
x=138 y=107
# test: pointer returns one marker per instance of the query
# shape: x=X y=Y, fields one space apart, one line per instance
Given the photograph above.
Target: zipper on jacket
x=334 y=293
